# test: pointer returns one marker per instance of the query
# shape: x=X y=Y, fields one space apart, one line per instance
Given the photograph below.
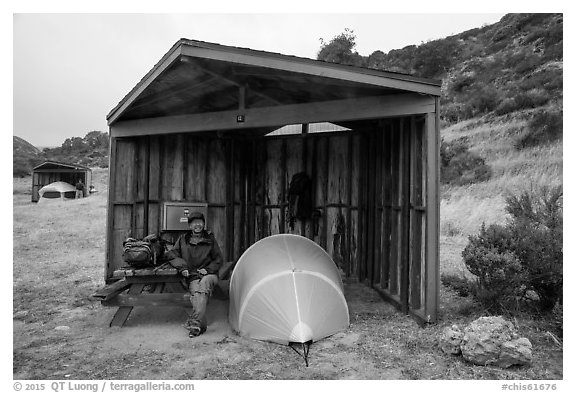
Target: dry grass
x=58 y=263
x=465 y=208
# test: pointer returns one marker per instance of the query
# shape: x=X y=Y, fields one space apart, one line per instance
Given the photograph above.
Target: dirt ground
x=154 y=345
x=60 y=333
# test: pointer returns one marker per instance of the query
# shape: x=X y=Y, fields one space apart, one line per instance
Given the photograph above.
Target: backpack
x=300 y=198
x=147 y=252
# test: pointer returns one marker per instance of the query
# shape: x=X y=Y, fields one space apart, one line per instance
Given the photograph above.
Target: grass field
x=465 y=208
x=59 y=333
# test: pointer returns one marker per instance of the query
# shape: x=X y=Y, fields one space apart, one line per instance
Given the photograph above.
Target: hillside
x=91 y=151
x=501 y=108
x=511 y=65
x=25 y=156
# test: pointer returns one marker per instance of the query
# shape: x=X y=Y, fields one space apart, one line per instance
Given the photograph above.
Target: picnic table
x=147 y=287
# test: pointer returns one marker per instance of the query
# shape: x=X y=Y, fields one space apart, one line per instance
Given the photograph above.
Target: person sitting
x=197 y=256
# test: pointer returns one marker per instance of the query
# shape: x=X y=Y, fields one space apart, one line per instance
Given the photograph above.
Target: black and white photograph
x=248 y=195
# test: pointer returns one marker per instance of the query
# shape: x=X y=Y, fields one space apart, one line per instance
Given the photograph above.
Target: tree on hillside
x=376 y=60
x=92 y=150
x=73 y=144
x=97 y=139
x=341 y=49
x=435 y=58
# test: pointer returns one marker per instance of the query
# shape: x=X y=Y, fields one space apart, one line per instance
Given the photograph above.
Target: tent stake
x=305 y=349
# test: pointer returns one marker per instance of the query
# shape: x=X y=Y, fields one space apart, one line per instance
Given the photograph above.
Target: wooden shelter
x=194 y=131
x=53 y=171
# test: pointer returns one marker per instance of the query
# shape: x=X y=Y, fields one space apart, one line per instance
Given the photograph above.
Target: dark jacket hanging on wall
x=300 y=198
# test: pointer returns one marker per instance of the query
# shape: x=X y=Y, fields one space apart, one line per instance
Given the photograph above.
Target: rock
x=20 y=314
x=451 y=340
x=62 y=328
x=494 y=341
x=515 y=353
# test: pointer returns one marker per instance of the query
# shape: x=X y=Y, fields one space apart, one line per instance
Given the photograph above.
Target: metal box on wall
x=175 y=214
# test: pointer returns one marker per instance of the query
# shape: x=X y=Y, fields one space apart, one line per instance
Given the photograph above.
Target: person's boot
x=197 y=323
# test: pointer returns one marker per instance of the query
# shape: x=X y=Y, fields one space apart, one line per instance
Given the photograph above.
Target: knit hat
x=195 y=216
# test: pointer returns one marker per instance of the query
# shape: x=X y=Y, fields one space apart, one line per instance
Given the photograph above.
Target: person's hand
x=185 y=273
x=203 y=271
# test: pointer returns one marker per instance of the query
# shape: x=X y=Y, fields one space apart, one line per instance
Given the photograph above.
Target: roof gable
x=47 y=165
x=197 y=77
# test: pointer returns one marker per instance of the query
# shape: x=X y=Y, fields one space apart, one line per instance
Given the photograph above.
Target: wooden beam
x=349 y=109
x=146 y=185
x=153 y=299
x=241 y=98
x=158 y=69
x=110 y=210
x=432 y=267
x=405 y=215
x=283 y=166
x=348 y=256
x=310 y=67
x=226 y=79
x=111 y=290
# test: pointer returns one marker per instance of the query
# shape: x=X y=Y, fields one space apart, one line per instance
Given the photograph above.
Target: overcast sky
x=70 y=70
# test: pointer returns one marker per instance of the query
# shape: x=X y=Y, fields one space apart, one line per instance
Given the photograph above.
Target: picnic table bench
x=150 y=287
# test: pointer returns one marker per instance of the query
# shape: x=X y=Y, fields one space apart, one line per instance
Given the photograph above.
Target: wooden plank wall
x=149 y=170
x=369 y=188
x=331 y=160
x=397 y=254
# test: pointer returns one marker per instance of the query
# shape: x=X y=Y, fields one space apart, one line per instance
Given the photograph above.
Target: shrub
x=506 y=106
x=526 y=254
x=499 y=273
x=480 y=100
x=544 y=127
x=458 y=284
x=537 y=232
x=460 y=166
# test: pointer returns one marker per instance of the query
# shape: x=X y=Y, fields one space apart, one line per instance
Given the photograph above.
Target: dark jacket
x=205 y=254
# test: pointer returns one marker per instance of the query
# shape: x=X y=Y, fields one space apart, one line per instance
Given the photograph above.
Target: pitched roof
x=199 y=77
x=60 y=165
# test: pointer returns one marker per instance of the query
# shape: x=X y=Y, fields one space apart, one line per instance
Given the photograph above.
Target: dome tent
x=286 y=289
x=57 y=191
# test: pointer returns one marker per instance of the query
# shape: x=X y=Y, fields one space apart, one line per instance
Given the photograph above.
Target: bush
x=544 y=127
x=460 y=166
x=524 y=255
x=458 y=284
x=499 y=273
x=537 y=232
x=534 y=98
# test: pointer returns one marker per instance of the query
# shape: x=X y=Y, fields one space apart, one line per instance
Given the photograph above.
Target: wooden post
x=282 y=223
x=252 y=183
x=263 y=232
x=362 y=207
x=242 y=192
x=314 y=182
x=110 y=215
x=324 y=235
x=230 y=184
x=405 y=206
x=387 y=204
x=304 y=165
x=394 y=208
x=432 y=130
x=416 y=216
x=348 y=255
x=370 y=259
x=146 y=184
x=378 y=208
